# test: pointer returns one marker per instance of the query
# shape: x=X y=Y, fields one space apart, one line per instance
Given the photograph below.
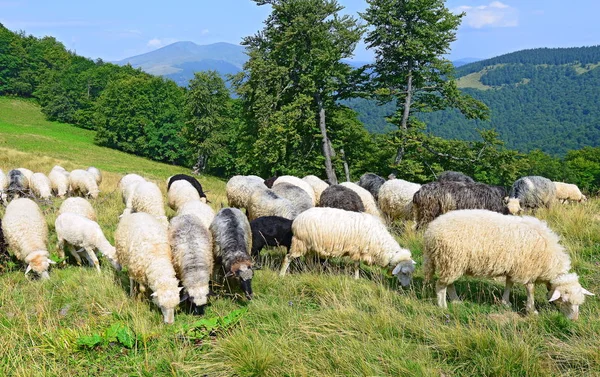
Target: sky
x=114 y=30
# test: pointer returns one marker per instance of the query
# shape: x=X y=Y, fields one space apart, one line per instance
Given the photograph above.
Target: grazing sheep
x=80 y=232
x=181 y=192
x=366 y=198
x=266 y=203
x=487 y=244
x=40 y=186
x=270 y=231
x=338 y=196
x=437 y=198
x=3 y=246
x=240 y=188
x=372 y=183
x=18 y=184
x=454 y=176
x=127 y=185
x=27 y=173
x=231 y=248
x=192 y=181
x=26 y=233
x=83 y=183
x=568 y=191
x=332 y=232
x=142 y=246
x=270 y=181
x=201 y=210
x=531 y=192
x=96 y=173
x=396 y=197
x=318 y=185
x=148 y=198
x=79 y=206
x=59 y=181
x=191 y=245
x=299 y=198
x=297 y=182
x=3 y=186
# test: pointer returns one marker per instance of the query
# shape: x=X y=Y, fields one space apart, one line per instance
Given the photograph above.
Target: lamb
x=530 y=192
x=437 y=198
x=297 y=182
x=191 y=245
x=299 y=198
x=568 y=191
x=96 y=173
x=266 y=203
x=488 y=244
x=148 y=198
x=181 y=192
x=59 y=181
x=26 y=233
x=338 y=196
x=365 y=197
x=372 y=183
x=454 y=176
x=83 y=183
x=240 y=188
x=270 y=231
x=80 y=232
x=40 y=186
x=192 y=181
x=201 y=210
x=79 y=206
x=3 y=186
x=27 y=173
x=18 y=184
x=142 y=246
x=332 y=232
x=396 y=197
x=127 y=185
x=318 y=186
x=231 y=248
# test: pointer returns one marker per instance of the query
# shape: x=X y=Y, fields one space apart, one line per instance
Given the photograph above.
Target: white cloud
x=160 y=42
x=204 y=32
x=495 y=14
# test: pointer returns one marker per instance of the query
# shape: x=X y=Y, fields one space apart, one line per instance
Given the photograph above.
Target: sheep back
x=338 y=196
x=297 y=182
x=79 y=206
x=366 y=198
x=372 y=183
x=395 y=198
x=531 y=192
x=299 y=198
x=240 y=188
x=181 y=192
x=270 y=231
x=83 y=183
x=266 y=203
x=199 y=209
x=40 y=186
x=454 y=176
x=191 y=180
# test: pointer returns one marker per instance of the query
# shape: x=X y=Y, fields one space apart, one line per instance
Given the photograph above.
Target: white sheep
x=142 y=246
x=568 y=191
x=240 y=188
x=318 y=186
x=79 y=206
x=192 y=249
x=26 y=234
x=203 y=211
x=395 y=198
x=333 y=232
x=366 y=197
x=40 y=186
x=59 y=181
x=3 y=186
x=265 y=202
x=27 y=173
x=96 y=173
x=489 y=244
x=180 y=193
x=83 y=183
x=148 y=198
x=127 y=185
x=298 y=182
x=82 y=233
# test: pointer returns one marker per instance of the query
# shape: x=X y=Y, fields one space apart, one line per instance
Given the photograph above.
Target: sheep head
x=243 y=271
x=403 y=271
x=513 y=205
x=568 y=294
x=167 y=300
x=39 y=262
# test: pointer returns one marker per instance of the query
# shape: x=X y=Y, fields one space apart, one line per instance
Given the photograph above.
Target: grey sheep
x=18 y=184
x=299 y=198
x=372 y=183
x=530 y=193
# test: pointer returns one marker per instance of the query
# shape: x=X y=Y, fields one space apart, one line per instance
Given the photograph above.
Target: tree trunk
x=405 y=113
x=346 y=169
x=200 y=164
x=327 y=148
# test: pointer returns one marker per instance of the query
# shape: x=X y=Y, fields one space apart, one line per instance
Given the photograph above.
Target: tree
x=293 y=79
x=206 y=109
x=410 y=38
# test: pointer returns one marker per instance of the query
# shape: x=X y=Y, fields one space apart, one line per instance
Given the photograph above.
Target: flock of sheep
x=469 y=230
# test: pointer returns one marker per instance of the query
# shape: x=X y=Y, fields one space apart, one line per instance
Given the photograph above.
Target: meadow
x=317 y=321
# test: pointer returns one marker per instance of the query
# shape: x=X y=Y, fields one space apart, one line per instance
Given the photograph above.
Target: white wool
x=366 y=197
x=395 y=198
x=3 y=181
x=300 y=183
x=96 y=173
x=264 y=202
x=240 y=188
x=318 y=186
x=59 y=181
x=148 y=198
x=181 y=192
x=40 y=186
x=27 y=173
x=568 y=191
x=126 y=181
x=83 y=183
x=201 y=210
x=78 y=206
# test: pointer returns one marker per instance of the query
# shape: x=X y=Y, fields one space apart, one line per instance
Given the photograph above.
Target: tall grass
x=317 y=321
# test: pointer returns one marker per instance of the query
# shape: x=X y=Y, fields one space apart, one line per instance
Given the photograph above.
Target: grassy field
x=310 y=323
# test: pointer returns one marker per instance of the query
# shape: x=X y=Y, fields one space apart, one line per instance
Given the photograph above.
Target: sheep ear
x=154 y=294
x=506 y=200
x=413 y=262
x=555 y=296
x=397 y=269
x=586 y=292
x=28 y=269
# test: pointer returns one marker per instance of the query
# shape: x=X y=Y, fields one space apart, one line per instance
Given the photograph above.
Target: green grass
x=310 y=323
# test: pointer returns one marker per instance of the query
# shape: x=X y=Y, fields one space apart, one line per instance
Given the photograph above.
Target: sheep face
x=166 y=300
x=568 y=298
x=39 y=262
x=243 y=271
x=403 y=271
x=514 y=206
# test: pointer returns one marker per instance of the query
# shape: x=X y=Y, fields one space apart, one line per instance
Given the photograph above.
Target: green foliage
x=212 y=326
x=116 y=333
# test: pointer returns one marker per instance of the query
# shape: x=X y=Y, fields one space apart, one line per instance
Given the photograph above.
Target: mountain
x=464 y=61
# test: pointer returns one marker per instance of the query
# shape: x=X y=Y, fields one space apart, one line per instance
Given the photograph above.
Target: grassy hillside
x=314 y=323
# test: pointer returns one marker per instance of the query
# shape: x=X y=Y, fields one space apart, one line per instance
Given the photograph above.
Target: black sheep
x=270 y=231
x=372 y=183
x=338 y=196
x=454 y=176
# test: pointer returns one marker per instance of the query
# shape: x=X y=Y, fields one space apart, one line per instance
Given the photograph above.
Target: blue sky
x=113 y=30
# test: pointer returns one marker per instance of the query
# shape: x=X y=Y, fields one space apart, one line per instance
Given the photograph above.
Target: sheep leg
x=506 y=295
x=530 y=306
x=285 y=265
x=452 y=293
x=60 y=248
x=440 y=289
x=92 y=258
x=75 y=254
x=132 y=287
x=356 y=270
